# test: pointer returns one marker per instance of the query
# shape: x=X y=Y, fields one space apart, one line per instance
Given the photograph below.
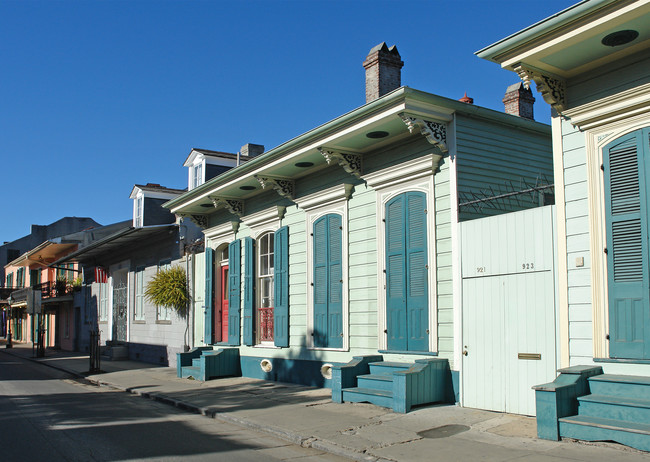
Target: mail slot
x=533 y=356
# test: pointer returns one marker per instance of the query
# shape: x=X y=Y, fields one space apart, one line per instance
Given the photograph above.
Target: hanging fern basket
x=168 y=288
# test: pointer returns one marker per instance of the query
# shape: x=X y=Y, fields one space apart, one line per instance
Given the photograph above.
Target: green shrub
x=169 y=288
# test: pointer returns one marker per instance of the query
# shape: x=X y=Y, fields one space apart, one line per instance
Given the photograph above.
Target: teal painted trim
x=185 y=359
x=209 y=294
x=560 y=398
x=281 y=287
x=424 y=382
x=300 y=371
x=420 y=353
x=249 y=289
x=219 y=363
x=634 y=434
x=234 y=295
x=625 y=361
x=345 y=376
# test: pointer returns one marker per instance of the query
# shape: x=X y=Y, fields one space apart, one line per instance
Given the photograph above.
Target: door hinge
x=605 y=250
x=607 y=336
x=602 y=167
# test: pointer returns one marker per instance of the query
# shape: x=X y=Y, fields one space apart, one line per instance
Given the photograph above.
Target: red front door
x=224 y=303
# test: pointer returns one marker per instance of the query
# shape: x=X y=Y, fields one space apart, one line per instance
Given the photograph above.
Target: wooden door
x=224 y=301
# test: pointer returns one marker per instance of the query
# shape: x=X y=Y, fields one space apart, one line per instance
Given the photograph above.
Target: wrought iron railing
x=52 y=289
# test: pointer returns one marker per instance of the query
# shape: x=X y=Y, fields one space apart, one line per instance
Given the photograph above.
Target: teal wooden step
x=377 y=382
x=615 y=407
x=196 y=362
x=381 y=398
x=631 y=386
x=190 y=371
x=386 y=367
x=589 y=428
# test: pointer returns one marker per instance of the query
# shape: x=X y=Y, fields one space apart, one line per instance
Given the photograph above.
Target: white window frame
x=415 y=175
x=329 y=201
x=104 y=293
x=197 y=175
x=260 y=223
x=164 y=313
x=138 y=210
x=138 y=305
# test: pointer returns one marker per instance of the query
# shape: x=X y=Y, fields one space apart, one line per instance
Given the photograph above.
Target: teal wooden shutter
x=281 y=287
x=396 y=274
x=335 y=292
x=626 y=215
x=249 y=289
x=417 y=299
x=321 y=281
x=209 y=294
x=234 y=294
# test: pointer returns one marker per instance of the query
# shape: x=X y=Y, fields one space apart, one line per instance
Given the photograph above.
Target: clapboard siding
x=577 y=228
x=444 y=258
x=608 y=80
x=499 y=157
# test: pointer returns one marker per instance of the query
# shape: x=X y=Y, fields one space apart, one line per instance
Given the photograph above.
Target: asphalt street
x=48 y=415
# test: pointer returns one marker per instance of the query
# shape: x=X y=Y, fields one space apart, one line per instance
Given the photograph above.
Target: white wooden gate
x=508 y=309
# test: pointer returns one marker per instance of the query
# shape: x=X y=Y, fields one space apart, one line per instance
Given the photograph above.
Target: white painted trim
x=611 y=109
x=564 y=353
x=389 y=183
x=268 y=219
x=595 y=140
x=425 y=110
x=457 y=280
x=338 y=206
x=327 y=197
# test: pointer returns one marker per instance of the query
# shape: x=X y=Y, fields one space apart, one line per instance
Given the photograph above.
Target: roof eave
x=497 y=50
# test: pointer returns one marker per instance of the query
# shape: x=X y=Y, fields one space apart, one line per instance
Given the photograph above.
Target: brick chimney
x=383 y=71
x=251 y=150
x=519 y=101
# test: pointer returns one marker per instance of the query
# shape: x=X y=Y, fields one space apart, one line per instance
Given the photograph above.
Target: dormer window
x=197 y=176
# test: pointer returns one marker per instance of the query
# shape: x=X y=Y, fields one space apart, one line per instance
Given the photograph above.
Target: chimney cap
x=466 y=99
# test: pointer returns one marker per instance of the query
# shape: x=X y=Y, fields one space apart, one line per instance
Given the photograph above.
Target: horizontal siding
x=444 y=270
x=627 y=73
x=495 y=158
x=577 y=244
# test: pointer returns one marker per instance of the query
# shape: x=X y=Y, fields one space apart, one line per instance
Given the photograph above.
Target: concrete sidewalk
x=307 y=416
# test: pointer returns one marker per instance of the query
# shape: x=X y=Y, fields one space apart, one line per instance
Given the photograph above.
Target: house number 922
x=527 y=266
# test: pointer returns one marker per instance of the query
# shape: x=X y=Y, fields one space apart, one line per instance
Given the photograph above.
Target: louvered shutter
x=209 y=294
x=396 y=274
x=335 y=295
x=249 y=289
x=417 y=302
x=281 y=287
x=626 y=214
x=320 y=281
x=234 y=295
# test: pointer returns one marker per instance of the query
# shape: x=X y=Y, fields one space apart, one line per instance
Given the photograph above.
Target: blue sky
x=96 y=96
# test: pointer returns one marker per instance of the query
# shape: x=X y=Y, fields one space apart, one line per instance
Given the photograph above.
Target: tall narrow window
x=164 y=312
x=103 y=302
x=197 y=176
x=265 y=288
x=138 y=212
x=138 y=314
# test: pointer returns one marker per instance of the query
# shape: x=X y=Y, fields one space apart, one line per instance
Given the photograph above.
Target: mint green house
x=591 y=62
x=336 y=254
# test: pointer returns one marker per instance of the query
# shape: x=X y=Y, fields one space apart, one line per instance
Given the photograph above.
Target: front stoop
x=399 y=386
x=606 y=408
x=205 y=363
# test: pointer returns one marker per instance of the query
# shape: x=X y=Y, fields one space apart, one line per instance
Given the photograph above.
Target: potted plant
x=169 y=288
x=60 y=286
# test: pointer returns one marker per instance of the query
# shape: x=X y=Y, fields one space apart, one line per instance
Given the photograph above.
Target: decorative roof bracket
x=199 y=220
x=282 y=186
x=553 y=89
x=435 y=132
x=234 y=206
x=351 y=163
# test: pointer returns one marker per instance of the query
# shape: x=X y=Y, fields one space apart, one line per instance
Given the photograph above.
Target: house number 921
x=527 y=266
x=480 y=269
